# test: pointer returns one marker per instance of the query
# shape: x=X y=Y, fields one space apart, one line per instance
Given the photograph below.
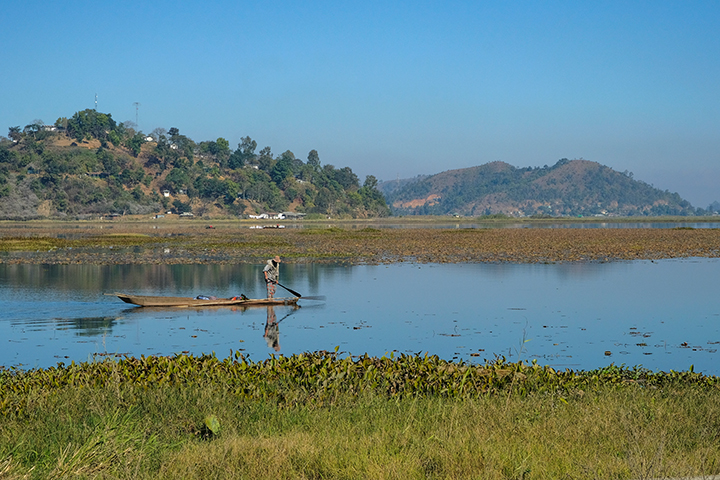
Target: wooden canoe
x=150 y=301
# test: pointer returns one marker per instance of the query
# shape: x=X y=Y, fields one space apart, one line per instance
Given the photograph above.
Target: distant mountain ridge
x=570 y=187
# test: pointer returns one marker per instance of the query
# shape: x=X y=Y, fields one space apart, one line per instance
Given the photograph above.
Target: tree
x=132 y=177
x=14 y=133
x=244 y=154
x=325 y=201
x=181 y=207
x=114 y=138
x=312 y=168
x=372 y=199
x=265 y=160
x=221 y=149
x=314 y=160
x=184 y=145
x=247 y=146
x=135 y=143
x=176 y=180
x=282 y=168
x=370 y=182
x=222 y=146
x=346 y=178
x=158 y=133
x=90 y=123
x=31 y=129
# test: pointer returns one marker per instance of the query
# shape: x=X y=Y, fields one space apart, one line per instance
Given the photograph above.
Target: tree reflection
x=91 y=326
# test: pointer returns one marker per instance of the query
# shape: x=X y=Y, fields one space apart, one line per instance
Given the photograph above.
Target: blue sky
x=390 y=88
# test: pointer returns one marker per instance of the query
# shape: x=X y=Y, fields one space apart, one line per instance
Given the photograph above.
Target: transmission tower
x=137 y=105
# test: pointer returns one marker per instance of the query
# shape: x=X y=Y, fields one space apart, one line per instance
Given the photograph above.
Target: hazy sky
x=390 y=88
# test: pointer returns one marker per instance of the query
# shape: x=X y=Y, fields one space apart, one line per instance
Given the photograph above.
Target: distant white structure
x=277 y=216
x=291 y=215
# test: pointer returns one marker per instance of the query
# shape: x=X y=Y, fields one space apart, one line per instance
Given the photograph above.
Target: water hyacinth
x=322 y=377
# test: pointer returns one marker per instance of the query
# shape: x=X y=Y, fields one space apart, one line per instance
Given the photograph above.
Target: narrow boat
x=150 y=301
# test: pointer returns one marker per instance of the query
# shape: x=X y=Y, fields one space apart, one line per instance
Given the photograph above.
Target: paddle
x=320 y=297
x=289 y=290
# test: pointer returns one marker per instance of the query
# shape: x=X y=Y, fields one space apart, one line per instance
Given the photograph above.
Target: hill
x=570 y=187
x=89 y=165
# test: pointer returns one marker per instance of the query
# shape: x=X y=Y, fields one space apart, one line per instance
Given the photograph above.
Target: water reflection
x=87 y=326
x=272 y=330
x=663 y=315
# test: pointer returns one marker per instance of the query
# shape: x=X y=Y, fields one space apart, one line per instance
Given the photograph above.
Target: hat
x=277 y=259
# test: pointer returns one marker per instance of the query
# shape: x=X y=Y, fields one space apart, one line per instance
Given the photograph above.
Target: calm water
x=662 y=315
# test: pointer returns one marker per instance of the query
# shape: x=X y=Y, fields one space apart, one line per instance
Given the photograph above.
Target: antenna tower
x=96 y=102
x=137 y=105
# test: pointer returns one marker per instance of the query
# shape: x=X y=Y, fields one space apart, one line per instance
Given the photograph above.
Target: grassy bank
x=319 y=416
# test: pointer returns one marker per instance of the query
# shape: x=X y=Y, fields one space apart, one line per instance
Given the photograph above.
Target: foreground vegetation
x=322 y=416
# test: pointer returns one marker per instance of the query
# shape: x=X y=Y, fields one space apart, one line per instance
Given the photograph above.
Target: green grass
x=319 y=416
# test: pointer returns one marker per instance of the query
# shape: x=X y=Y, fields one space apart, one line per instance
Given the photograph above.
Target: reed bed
x=322 y=416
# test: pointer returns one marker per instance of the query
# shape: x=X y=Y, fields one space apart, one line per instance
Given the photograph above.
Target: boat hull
x=151 y=301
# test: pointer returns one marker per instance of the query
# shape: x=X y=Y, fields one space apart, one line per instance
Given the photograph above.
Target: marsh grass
x=139 y=424
x=364 y=245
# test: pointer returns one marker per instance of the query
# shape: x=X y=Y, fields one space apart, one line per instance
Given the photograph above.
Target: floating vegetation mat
x=362 y=246
x=323 y=376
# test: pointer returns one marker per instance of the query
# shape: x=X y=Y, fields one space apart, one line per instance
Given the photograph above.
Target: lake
x=659 y=314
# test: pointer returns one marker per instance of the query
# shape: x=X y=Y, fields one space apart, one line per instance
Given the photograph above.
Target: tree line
x=104 y=166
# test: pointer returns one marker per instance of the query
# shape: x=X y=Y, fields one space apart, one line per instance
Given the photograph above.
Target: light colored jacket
x=273 y=271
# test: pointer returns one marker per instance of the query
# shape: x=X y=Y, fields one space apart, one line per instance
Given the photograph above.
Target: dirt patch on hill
x=430 y=200
x=65 y=141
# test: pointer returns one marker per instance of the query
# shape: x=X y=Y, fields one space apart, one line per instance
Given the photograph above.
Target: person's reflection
x=272 y=330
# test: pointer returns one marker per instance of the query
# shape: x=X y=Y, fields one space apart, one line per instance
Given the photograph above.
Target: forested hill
x=89 y=165
x=570 y=187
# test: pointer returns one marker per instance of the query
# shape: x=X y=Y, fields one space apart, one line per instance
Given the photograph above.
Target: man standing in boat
x=272 y=275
